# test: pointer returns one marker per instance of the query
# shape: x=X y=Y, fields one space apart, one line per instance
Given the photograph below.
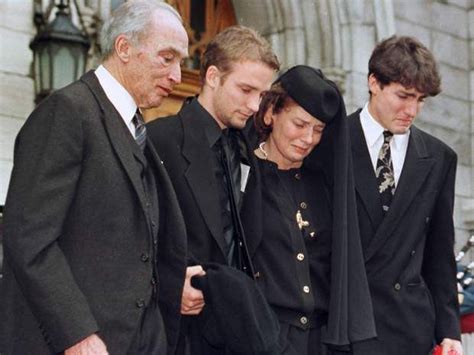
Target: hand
x=451 y=347
x=192 y=300
x=92 y=345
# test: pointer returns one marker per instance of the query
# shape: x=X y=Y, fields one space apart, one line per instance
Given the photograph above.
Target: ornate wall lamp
x=59 y=50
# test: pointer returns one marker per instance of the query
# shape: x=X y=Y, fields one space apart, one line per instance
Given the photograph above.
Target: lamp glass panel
x=80 y=65
x=37 y=71
x=45 y=68
x=63 y=66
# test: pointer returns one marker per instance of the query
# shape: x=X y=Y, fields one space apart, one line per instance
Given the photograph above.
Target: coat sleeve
x=47 y=167
x=439 y=266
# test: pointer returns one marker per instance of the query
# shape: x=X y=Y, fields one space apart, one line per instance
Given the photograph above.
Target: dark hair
x=406 y=61
x=235 y=44
x=275 y=99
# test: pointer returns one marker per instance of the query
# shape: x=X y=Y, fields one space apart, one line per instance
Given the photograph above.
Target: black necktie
x=384 y=172
x=231 y=167
x=140 y=130
x=231 y=162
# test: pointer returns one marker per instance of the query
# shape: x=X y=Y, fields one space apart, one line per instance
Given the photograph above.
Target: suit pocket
x=422 y=298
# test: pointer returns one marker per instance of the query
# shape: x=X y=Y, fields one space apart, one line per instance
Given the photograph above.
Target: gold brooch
x=300 y=221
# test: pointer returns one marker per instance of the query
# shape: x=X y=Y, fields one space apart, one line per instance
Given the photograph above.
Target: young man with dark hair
x=209 y=161
x=405 y=197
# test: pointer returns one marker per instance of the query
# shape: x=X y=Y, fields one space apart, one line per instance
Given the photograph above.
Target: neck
x=269 y=151
x=205 y=99
x=374 y=114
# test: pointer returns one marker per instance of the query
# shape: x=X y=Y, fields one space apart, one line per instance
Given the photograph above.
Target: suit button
x=306 y=289
x=297 y=176
x=304 y=320
x=427 y=220
x=303 y=205
x=413 y=252
x=153 y=281
x=300 y=256
x=145 y=257
x=140 y=303
x=397 y=287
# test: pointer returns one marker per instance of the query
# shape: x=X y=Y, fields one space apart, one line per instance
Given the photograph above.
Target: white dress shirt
x=118 y=96
x=373 y=132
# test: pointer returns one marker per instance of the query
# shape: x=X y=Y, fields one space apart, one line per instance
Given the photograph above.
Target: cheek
x=316 y=139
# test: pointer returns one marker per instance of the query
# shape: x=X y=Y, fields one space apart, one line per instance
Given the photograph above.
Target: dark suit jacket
x=182 y=144
x=77 y=237
x=409 y=253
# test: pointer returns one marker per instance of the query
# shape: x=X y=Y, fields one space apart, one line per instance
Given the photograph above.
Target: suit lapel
x=416 y=168
x=200 y=174
x=365 y=181
x=118 y=135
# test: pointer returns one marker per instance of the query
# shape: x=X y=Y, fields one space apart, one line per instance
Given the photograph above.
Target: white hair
x=132 y=18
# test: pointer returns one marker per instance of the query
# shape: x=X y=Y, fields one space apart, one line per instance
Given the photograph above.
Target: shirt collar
x=373 y=130
x=211 y=129
x=116 y=93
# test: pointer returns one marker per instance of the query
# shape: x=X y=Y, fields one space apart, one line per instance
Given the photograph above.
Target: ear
x=123 y=48
x=269 y=117
x=213 y=76
x=374 y=85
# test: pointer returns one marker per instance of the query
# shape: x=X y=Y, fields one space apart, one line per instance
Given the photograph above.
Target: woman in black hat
x=308 y=259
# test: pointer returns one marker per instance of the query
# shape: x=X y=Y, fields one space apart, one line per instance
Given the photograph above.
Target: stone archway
x=336 y=36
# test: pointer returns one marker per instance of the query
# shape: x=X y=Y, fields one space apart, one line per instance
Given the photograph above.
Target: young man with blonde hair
x=209 y=161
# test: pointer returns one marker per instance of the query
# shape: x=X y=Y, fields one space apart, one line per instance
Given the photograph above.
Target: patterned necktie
x=140 y=130
x=384 y=172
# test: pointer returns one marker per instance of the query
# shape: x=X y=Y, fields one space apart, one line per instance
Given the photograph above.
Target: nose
x=411 y=108
x=175 y=73
x=253 y=102
x=308 y=136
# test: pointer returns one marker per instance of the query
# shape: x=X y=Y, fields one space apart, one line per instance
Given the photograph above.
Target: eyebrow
x=249 y=86
x=411 y=94
x=318 y=124
x=176 y=51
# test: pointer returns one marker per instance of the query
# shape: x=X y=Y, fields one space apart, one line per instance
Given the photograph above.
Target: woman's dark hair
x=275 y=99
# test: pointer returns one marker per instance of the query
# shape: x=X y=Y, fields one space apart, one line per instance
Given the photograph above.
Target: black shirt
x=215 y=140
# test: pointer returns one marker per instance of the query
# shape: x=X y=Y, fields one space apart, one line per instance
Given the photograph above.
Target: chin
x=401 y=130
x=238 y=124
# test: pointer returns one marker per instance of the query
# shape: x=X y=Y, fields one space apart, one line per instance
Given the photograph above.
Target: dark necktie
x=140 y=130
x=231 y=167
x=384 y=172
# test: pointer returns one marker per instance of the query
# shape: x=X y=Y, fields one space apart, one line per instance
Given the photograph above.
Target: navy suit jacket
x=409 y=256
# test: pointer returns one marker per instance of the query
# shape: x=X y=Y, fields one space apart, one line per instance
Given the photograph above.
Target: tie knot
x=226 y=136
x=138 y=119
x=387 y=136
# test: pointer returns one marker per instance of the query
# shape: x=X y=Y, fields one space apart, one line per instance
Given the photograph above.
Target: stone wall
x=445 y=27
x=16 y=85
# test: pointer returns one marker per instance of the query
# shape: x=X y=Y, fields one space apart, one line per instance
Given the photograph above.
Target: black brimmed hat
x=309 y=89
